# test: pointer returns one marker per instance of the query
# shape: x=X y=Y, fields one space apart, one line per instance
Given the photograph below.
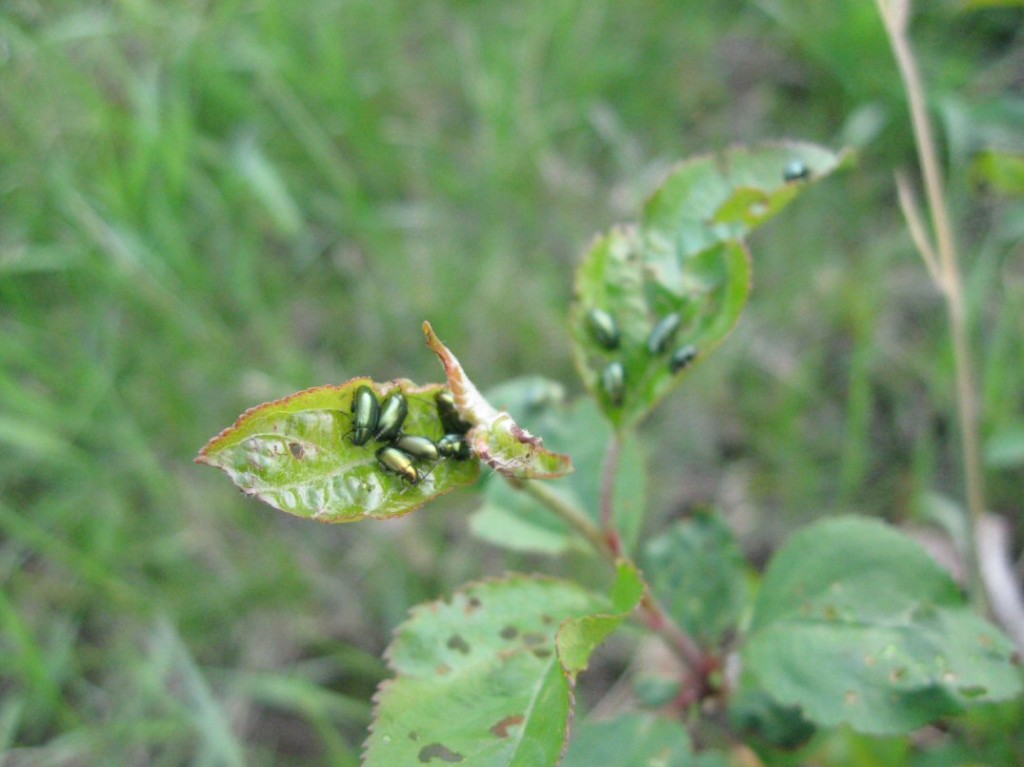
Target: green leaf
x=857 y=624
x=1005 y=448
x=479 y=681
x=294 y=454
x=698 y=574
x=755 y=713
x=652 y=299
x=632 y=740
x=516 y=521
x=495 y=437
x=1003 y=171
x=579 y=637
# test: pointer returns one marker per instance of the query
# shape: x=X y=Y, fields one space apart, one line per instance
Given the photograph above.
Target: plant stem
x=567 y=512
x=895 y=14
x=653 y=614
x=609 y=473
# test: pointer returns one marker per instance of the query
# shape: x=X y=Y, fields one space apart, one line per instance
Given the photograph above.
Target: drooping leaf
x=857 y=624
x=653 y=299
x=495 y=437
x=479 y=679
x=631 y=740
x=516 y=521
x=698 y=574
x=297 y=455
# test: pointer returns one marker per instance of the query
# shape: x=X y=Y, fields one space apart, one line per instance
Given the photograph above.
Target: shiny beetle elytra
x=395 y=461
x=417 y=447
x=681 y=358
x=613 y=381
x=796 y=170
x=454 y=446
x=661 y=337
x=603 y=328
x=393 y=410
x=365 y=412
x=452 y=422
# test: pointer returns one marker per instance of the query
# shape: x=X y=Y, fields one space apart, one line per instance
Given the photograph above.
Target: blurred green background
x=206 y=205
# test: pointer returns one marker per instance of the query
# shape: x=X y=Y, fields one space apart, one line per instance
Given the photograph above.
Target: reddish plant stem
x=609 y=473
x=606 y=543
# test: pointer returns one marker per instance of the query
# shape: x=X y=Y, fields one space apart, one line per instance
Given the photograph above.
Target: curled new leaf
x=495 y=437
x=298 y=455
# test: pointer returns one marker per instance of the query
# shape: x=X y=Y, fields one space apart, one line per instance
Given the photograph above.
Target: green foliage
x=635 y=740
x=853 y=624
x=485 y=679
x=297 y=454
x=516 y=521
x=700 y=575
x=209 y=205
x=856 y=624
x=685 y=260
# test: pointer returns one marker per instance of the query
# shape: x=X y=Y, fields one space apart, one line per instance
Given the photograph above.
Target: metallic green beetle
x=603 y=328
x=796 y=170
x=613 y=381
x=395 y=461
x=365 y=411
x=681 y=358
x=661 y=337
x=392 y=415
x=454 y=446
x=452 y=422
x=418 y=447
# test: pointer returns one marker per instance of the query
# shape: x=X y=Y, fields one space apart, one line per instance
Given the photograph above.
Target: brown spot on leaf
x=869 y=660
x=297 y=450
x=457 y=643
x=535 y=637
x=546 y=619
x=442 y=669
x=509 y=632
x=473 y=604
x=542 y=652
x=438 y=751
x=898 y=675
x=501 y=728
x=852 y=698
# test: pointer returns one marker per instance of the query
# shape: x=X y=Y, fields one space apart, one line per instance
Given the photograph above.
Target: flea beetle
x=603 y=328
x=681 y=358
x=452 y=422
x=418 y=447
x=454 y=446
x=660 y=338
x=395 y=461
x=796 y=170
x=365 y=411
x=613 y=381
x=392 y=415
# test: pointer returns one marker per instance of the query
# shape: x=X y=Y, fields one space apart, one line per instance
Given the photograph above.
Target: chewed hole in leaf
x=501 y=729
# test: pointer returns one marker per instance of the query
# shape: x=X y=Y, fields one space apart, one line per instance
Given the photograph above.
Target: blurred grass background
x=204 y=206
